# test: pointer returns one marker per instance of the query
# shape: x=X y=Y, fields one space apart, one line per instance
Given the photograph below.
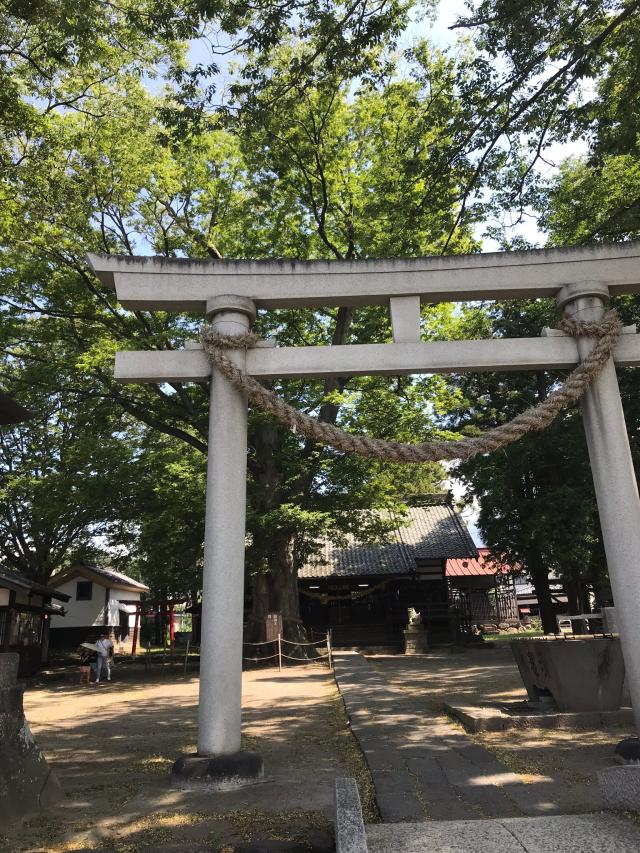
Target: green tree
x=160 y=533
x=63 y=477
x=322 y=171
x=537 y=507
x=547 y=73
x=534 y=84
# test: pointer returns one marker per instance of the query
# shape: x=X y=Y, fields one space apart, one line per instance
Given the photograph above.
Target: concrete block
x=350 y=834
x=579 y=720
x=217 y=773
x=580 y=675
x=622 y=717
x=588 y=833
x=478 y=719
x=620 y=787
x=415 y=640
x=462 y=836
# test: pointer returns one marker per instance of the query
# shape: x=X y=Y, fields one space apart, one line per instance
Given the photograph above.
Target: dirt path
x=560 y=766
x=112 y=747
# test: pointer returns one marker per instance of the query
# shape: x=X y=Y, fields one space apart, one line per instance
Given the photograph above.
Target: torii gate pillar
x=614 y=480
x=219 y=763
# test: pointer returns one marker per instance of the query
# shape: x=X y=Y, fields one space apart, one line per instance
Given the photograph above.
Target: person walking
x=105 y=652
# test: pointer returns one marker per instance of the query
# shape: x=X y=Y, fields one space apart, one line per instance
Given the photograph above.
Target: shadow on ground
x=113 y=746
x=559 y=766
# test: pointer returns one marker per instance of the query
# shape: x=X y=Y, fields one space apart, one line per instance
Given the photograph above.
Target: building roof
x=12 y=579
x=432 y=530
x=104 y=576
x=483 y=564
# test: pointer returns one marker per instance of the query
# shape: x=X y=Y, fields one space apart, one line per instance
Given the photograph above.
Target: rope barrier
x=269 y=657
x=534 y=419
x=305 y=660
x=297 y=643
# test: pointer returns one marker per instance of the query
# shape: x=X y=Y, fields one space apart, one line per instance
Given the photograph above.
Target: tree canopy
x=330 y=143
x=325 y=170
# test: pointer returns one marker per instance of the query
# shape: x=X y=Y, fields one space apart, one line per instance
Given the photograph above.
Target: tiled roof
x=13 y=578
x=432 y=532
x=114 y=578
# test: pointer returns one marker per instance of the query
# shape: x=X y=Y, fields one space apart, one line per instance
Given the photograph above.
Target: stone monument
x=415 y=634
x=26 y=782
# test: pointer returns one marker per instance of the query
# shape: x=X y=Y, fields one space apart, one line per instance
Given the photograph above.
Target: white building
x=100 y=600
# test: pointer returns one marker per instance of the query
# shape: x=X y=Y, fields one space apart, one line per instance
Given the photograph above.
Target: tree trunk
x=540 y=579
x=276 y=590
x=573 y=589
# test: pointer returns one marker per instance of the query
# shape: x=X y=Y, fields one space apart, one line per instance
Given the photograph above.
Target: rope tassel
x=533 y=419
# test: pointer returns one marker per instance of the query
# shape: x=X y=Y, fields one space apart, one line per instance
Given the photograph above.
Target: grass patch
x=506 y=638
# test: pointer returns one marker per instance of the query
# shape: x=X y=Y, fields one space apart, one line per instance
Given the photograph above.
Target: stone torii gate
x=230 y=292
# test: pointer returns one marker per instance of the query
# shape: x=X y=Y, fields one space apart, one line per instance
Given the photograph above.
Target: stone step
x=588 y=833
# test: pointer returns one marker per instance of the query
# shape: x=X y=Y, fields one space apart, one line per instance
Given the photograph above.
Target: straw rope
x=534 y=419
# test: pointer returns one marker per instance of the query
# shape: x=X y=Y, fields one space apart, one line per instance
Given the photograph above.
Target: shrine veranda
x=229 y=293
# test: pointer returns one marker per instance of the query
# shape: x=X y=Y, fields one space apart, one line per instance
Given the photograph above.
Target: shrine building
x=430 y=562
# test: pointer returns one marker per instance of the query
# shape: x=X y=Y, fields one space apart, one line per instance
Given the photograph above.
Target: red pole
x=172 y=627
x=134 y=644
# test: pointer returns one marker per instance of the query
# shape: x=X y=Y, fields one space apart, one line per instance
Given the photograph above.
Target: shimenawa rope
x=534 y=419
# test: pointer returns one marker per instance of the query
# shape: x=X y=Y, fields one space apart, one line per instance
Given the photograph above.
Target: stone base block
x=491 y=718
x=620 y=787
x=217 y=773
x=415 y=641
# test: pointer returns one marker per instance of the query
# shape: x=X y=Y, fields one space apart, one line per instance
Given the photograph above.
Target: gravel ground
x=113 y=745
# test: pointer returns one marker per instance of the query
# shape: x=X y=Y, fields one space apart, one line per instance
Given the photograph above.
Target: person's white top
x=103 y=647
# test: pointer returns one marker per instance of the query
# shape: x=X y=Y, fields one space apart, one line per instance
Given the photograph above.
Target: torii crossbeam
x=229 y=292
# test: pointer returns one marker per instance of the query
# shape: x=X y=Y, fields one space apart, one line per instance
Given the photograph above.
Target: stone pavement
x=423 y=766
x=592 y=833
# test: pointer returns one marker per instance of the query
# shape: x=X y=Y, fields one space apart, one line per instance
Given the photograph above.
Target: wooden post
x=172 y=630
x=279 y=653
x=136 y=626
x=186 y=655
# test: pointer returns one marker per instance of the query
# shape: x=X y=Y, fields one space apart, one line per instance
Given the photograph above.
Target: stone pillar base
x=217 y=773
x=415 y=641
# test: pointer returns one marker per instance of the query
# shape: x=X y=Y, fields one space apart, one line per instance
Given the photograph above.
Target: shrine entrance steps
x=589 y=833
